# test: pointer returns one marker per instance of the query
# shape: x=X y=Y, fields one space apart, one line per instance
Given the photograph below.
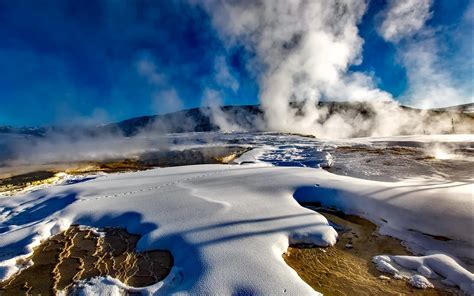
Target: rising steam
x=304 y=50
x=431 y=79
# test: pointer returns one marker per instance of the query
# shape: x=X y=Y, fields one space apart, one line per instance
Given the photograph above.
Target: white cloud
x=404 y=18
x=432 y=80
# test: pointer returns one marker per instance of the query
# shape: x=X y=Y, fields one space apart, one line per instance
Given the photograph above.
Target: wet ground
x=377 y=160
x=373 y=160
x=82 y=253
x=346 y=268
x=384 y=162
x=16 y=179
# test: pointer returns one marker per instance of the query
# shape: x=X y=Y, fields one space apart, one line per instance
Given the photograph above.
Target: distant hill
x=32 y=131
x=190 y=120
x=465 y=108
x=200 y=120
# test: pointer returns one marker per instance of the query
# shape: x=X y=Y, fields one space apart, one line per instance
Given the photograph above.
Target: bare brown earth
x=80 y=253
x=343 y=270
x=24 y=180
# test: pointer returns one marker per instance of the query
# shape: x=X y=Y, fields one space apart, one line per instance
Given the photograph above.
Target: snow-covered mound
x=226 y=226
x=419 y=269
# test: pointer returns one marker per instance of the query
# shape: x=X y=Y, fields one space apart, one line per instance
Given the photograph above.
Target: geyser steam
x=303 y=52
x=305 y=48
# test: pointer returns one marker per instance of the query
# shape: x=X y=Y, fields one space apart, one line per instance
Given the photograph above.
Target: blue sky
x=99 y=61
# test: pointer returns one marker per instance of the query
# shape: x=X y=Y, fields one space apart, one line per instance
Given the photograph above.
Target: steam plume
x=305 y=49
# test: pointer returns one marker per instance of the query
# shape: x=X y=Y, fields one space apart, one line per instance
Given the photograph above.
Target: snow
x=98 y=286
x=205 y=215
x=411 y=208
x=383 y=263
x=420 y=282
x=441 y=264
x=228 y=225
x=109 y=286
x=418 y=268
